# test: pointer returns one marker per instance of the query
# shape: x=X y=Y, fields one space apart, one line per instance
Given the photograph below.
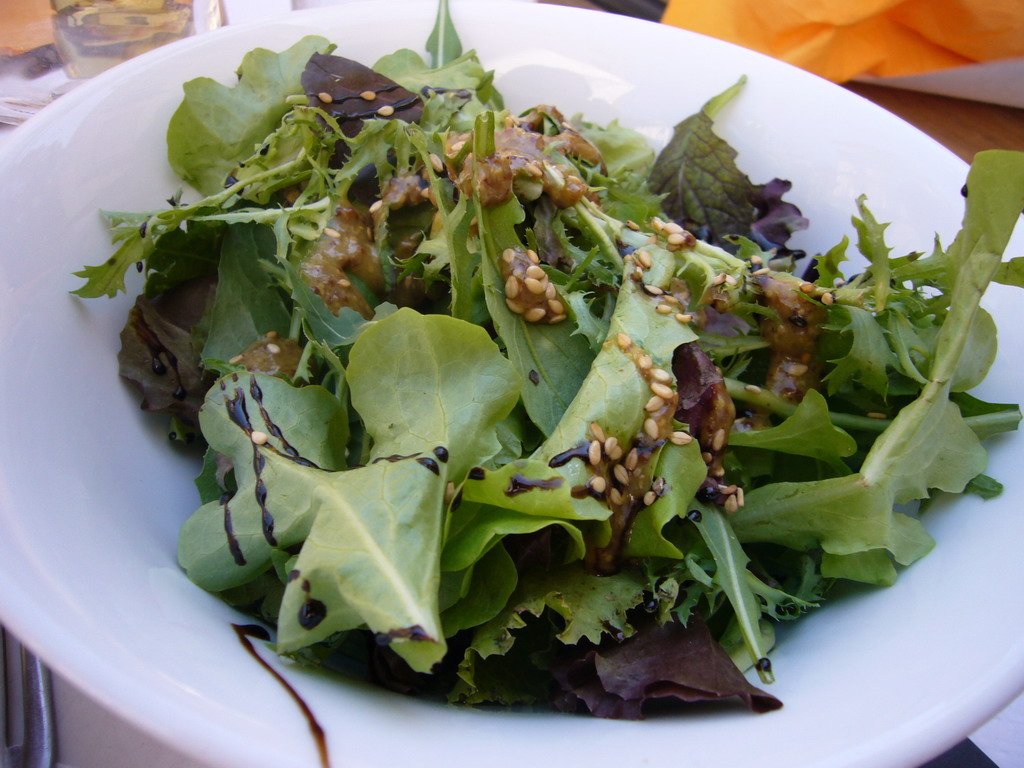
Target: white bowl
x=92 y=497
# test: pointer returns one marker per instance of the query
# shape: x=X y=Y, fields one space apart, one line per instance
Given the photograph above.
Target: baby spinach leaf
x=229 y=541
x=248 y=303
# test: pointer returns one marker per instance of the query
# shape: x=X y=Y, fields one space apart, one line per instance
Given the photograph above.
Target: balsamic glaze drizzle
x=244 y=632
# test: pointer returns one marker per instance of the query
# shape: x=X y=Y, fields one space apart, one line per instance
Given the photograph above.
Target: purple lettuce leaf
x=667 y=663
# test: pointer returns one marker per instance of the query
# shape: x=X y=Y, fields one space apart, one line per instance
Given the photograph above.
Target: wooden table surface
x=964 y=127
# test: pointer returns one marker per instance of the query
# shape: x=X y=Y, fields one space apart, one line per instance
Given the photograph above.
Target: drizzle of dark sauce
x=429 y=464
x=534 y=377
x=563 y=458
x=312 y=613
x=415 y=633
x=694 y=515
x=394 y=457
x=244 y=632
x=477 y=473
x=764 y=664
x=583 y=491
x=162 y=358
x=518 y=484
x=442 y=454
x=229 y=529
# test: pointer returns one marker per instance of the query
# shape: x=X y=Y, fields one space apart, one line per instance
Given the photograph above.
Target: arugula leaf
x=443 y=44
x=217 y=126
x=807 y=432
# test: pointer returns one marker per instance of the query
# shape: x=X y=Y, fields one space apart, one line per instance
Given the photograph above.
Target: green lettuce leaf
x=217 y=126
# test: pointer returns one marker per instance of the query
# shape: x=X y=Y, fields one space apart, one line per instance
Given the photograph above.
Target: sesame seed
x=756 y=260
x=610 y=444
x=596 y=431
x=332 y=232
x=632 y=459
x=614 y=496
x=556 y=319
x=532 y=255
x=259 y=438
x=658 y=485
x=731 y=505
x=549 y=291
x=719 y=278
x=455 y=148
x=740 y=497
x=236 y=359
x=807 y=287
x=386 y=111
x=676 y=238
x=718 y=441
x=673 y=229
x=659 y=374
x=797 y=369
x=760 y=272
x=876 y=415
x=729 y=489
x=594 y=452
x=730 y=280
x=644 y=362
x=515 y=306
x=839 y=282
x=681 y=438
x=511 y=287
x=623 y=341
x=535 y=272
x=649 y=498
x=616 y=453
x=368 y=95
x=273 y=349
x=654 y=404
x=684 y=318
x=663 y=309
x=657 y=224
x=633 y=226
x=752 y=388
x=325 y=97
x=598 y=484
x=644 y=258
x=621 y=474
x=508 y=255
x=651 y=290
x=534 y=315
x=664 y=391
x=345 y=282
x=720 y=472
x=449 y=492
x=651 y=428
x=534 y=286
x=376 y=206
x=436 y=162
x=828 y=298
x=556 y=307
x=706 y=455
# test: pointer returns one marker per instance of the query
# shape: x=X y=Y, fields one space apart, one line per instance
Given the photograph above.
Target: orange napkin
x=843 y=39
x=26 y=25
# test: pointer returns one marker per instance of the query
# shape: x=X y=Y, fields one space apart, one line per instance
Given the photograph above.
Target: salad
x=508 y=408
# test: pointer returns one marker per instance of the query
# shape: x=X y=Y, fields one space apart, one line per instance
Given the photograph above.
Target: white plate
x=92 y=498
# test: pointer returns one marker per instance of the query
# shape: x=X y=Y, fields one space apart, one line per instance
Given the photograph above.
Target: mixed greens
x=506 y=408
